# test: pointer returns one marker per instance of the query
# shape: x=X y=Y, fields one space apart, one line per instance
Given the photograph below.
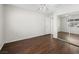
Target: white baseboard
x=1 y=46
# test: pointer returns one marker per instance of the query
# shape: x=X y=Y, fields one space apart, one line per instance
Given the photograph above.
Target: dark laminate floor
x=39 y=45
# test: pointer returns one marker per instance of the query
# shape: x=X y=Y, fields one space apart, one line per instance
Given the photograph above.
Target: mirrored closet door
x=68 y=29
x=73 y=24
x=63 y=30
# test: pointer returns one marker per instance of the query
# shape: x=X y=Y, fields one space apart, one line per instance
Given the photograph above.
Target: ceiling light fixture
x=43 y=8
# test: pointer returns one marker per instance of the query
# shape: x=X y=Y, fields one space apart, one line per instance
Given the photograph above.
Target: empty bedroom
x=39 y=28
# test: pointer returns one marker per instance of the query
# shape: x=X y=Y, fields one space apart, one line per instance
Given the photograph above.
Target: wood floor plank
x=39 y=45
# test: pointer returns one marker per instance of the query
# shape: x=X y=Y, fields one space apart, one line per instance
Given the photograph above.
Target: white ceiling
x=36 y=7
x=52 y=8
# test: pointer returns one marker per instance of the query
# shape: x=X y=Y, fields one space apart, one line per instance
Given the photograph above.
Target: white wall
x=22 y=24
x=47 y=25
x=1 y=26
x=55 y=25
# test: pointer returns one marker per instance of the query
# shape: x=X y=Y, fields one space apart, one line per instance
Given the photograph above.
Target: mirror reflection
x=68 y=28
x=63 y=30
